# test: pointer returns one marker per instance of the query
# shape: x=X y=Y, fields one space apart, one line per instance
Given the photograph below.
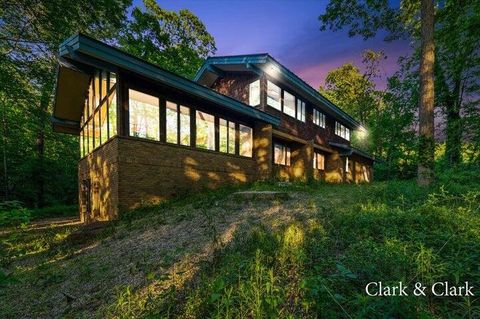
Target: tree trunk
x=40 y=145
x=454 y=126
x=426 y=150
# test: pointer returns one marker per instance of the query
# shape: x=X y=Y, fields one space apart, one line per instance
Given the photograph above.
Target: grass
x=208 y=256
x=14 y=214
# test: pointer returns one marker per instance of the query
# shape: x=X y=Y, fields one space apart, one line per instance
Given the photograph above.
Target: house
x=147 y=134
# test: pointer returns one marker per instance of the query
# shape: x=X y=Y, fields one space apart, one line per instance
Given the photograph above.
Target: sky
x=289 y=30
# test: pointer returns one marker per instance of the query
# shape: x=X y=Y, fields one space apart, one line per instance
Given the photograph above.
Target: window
x=90 y=136
x=281 y=155
x=113 y=80
x=112 y=114
x=227 y=136
x=346 y=164
x=172 y=123
x=254 y=93
x=288 y=104
x=97 y=88
x=318 y=118
x=300 y=110
x=103 y=124
x=82 y=151
x=342 y=131
x=318 y=161
x=184 y=125
x=205 y=130
x=103 y=85
x=144 y=115
x=246 y=140
x=96 y=121
x=99 y=119
x=273 y=96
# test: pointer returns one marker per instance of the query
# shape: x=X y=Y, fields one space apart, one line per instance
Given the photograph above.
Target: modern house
x=147 y=134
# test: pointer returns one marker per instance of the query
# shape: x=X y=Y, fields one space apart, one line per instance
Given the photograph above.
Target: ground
x=217 y=254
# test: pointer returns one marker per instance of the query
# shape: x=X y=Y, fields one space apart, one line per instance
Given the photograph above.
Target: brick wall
x=150 y=172
x=98 y=183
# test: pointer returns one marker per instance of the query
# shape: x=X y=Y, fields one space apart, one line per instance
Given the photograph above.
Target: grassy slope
x=209 y=255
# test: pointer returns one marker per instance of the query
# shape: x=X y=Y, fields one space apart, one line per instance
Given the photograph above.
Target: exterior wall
x=98 y=183
x=235 y=85
x=150 y=172
x=334 y=168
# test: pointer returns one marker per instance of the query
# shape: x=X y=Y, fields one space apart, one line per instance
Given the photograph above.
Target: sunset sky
x=289 y=31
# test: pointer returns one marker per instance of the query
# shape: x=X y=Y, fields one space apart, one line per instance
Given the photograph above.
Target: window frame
x=280 y=103
x=286 y=161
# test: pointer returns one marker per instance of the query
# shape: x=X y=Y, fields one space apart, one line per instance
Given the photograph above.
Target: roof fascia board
x=103 y=52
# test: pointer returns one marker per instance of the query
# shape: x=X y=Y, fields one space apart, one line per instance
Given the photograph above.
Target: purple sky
x=289 y=31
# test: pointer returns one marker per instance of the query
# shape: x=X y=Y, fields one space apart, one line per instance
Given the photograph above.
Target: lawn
x=217 y=255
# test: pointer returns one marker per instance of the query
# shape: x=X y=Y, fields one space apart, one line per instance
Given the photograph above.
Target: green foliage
x=12 y=213
x=178 y=42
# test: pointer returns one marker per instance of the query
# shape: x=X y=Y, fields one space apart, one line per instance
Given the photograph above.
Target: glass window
x=205 y=130
x=300 y=110
x=81 y=144
x=246 y=140
x=273 y=96
x=346 y=164
x=227 y=136
x=90 y=135
x=113 y=80
x=97 y=88
x=318 y=118
x=184 y=125
x=144 y=115
x=254 y=93
x=103 y=123
x=281 y=155
x=288 y=104
x=96 y=141
x=112 y=114
x=342 y=131
x=318 y=161
x=232 y=137
x=172 y=123
x=223 y=135
x=104 y=84
x=91 y=99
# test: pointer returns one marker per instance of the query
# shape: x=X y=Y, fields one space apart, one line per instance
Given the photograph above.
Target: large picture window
x=342 y=131
x=274 y=95
x=288 y=104
x=246 y=140
x=144 y=115
x=318 y=161
x=254 y=93
x=281 y=154
x=205 y=130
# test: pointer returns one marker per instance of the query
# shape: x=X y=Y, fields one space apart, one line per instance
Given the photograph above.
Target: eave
x=88 y=51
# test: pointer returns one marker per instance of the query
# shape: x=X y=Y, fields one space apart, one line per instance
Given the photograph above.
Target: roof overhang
x=72 y=83
x=347 y=150
x=264 y=64
x=71 y=90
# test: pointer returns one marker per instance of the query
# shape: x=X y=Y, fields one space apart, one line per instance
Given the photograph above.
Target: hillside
x=215 y=255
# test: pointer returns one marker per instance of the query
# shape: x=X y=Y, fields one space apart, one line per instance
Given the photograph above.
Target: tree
x=30 y=33
x=457 y=72
x=353 y=91
x=178 y=42
x=366 y=18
